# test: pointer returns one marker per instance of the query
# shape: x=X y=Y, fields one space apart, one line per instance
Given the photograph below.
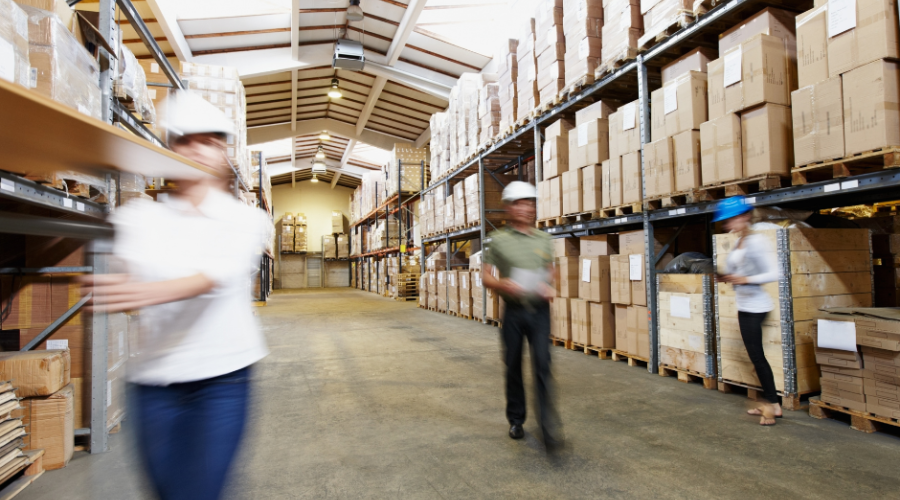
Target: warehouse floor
x=365 y=397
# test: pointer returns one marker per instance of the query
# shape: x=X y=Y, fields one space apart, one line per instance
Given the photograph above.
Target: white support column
x=337 y=175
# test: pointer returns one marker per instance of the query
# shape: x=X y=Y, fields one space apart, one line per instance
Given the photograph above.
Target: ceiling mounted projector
x=349 y=55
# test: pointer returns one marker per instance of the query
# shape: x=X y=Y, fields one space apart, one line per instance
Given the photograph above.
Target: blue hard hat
x=731 y=207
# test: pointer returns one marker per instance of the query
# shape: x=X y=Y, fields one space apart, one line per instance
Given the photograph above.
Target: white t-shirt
x=756 y=260
x=211 y=334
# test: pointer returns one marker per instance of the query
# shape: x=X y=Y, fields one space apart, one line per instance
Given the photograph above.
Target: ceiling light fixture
x=354 y=11
x=335 y=92
x=324 y=136
x=318 y=167
x=314 y=179
x=320 y=153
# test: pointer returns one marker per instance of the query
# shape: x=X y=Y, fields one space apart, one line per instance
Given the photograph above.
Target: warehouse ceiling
x=345 y=159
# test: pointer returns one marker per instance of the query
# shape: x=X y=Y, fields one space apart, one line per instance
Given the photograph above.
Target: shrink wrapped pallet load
x=687 y=323
x=661 y=16
x=819 y=268
x=622 y=27
x=582 y=27
x=488 y=112
x=550 y=50
x=406 y=161
x=465 y=293
x=818 y=123
x=872 y=37
x=555 y=150
x=438 y=144
x=589 y=142
x=527 y=96
x=14 y=36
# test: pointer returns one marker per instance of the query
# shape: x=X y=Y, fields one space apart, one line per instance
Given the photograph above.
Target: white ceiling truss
x=343 y=167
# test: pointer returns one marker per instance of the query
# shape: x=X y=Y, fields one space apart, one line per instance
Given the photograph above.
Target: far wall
x=316 y=201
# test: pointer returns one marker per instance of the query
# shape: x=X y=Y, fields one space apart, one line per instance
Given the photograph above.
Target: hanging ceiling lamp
x=354 y=11
x=320 y=153
x=318 y=167
x=314 y=179
x=324 y=136
x=335 y=92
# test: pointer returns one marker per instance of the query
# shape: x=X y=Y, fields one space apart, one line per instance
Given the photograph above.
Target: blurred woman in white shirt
x=189 y=259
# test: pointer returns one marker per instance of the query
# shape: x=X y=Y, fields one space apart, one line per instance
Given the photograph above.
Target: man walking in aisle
x=522 y=257
x=188 y=261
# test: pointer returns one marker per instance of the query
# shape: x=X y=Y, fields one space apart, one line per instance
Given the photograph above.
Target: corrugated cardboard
x=598 y=244
x=871 y=100
x=50 y=424
x=690 y=110
x=581 y=320
x=770 y=21
x=603 y=325
x=883 y=407
x=657 y=115
x=631 y=178
x=872 y=356
x=729 y=164
x=589 y=143
x=561 y=314
x=26 y=301
x=600 y=110
x=612 y=177
x=620 y=285
x=818 y=123
x=594 y=285
x=569 y=277
x=631 y=242
x=631 y=319
x=592 y=188
x=766 y=144
x=716 y=89
x=874 y=37
x=659 y=178
x=555 y=209
x=643 y=331
x=812 y=47
x=555 y=149
x=573 y=200
x=764 y=74
x=686 y=160
x=629 y=140
x=36 y=373
x=565 y=247
x=850 y=400
x=638 y=286
x=621 y=314
x=837 y=382
x=695 y=60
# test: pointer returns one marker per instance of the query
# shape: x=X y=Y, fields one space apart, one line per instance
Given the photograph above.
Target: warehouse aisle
x=365 y=397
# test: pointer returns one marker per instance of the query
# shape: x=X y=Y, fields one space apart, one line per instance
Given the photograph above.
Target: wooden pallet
x=684 y=18
x=577 y=86
x=20 y=473
x=550 y=222
x=632 y=359
x=859 y=421
x=788 y=401
x=672 y=200
x=742 y=187
x=860 y=163
x=617 y=211
x=688 y=376
x=630 y=54
x=600 y=352
x=560 y=342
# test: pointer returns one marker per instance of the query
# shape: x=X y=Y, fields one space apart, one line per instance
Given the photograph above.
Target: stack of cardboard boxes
x=621 y=174
x=847 y=101
x=749 y=129
x=672 y=158
x=550 y=49
x=588 y=149
x=582 y=27
x=527 y=95
x=629 y=294
x=660 y=15
x=406 y=161
x=284 y=228
x=555 y=152
x=488 y=112
x=300 y=233
x=622 y=27
x=507 y=97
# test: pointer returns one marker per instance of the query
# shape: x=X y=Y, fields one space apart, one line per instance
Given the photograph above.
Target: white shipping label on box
x=7 y=61
x=53 y=344
x=733 y=66
x=695 y=342
x=452 y=280
x=635 y=273
x=154 y=67
x=478 y=280
x=440 y=279
x=837 y=335
x=670 y=98
x=680 y=307
x=584 y=49
x=152 y=93
x=628 y=116
x=841 y=16
x=582 y=135
x=586 y=272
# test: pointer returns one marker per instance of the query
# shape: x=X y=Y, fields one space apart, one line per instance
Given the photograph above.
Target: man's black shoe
x=516 y=431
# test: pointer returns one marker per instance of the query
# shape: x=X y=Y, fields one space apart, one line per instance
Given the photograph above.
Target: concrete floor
x=365 y=397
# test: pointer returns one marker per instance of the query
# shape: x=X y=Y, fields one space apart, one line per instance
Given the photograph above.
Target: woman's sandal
x=756 y=413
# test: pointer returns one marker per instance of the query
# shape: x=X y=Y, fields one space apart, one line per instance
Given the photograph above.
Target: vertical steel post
x=108 y=62
x=421 y=236
x=399 y=212
x=447 y=247
x=538 y=163
x=484 y=223
x=649 y=247
x=98 y=258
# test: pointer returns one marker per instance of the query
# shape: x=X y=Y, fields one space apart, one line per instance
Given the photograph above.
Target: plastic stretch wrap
x=14 y=63
x=690 y=263
x=131 y=86
x=61 y=67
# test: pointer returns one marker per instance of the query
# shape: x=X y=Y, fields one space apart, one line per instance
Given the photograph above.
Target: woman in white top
x=189 y=259
x=750 y=265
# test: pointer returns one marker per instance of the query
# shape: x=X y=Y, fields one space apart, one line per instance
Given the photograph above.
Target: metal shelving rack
x=266 y=261
x=395 y=205
x=30 y=208
x=635 y=81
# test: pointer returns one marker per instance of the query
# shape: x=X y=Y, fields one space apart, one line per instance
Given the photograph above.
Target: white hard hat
x=518 y=190
x=189 y=113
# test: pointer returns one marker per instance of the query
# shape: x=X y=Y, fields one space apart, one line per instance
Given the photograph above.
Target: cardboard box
x=826 y=357
x=629 y=134
x=871 y=96
x=555 y=150
x=581 y=321
x=716 y=89
x=872 y=356
x=603 y=325
x=560 y=318
x=883 y=407
x=659 y=178
x=720 y=150
x=770 y=21
x=880 y=389
x=633 y=330
x=631 y=178
x=637 y=278
x=685 y=102
x=874 y=37
x=74 y=339
x=594 y=278
x=572 y=196
x=812 y=47
x=50 y=423
x=766 y=143
x=620 y=285
x=555 y=209
x=631 y=242
x=612 y=182
x=589 y=143
x=657 y=115
x=763 y=76
x=565 y=247
x=818 y=122
x=598 y=244
x=621 y=325
x=569 y=277
x=695 y=60
x=36 y=373
x=592 y=188
x=686 y=160
x=643 y=331
x=26 y=301
x=837 y=382
x=856 y=402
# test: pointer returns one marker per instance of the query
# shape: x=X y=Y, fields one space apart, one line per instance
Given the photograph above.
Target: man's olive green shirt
x=510 y=249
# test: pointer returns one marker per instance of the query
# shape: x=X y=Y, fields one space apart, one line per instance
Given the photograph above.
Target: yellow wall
x=316 y=201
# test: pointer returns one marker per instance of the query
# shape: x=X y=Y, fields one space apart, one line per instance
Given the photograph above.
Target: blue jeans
x=188 y=433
